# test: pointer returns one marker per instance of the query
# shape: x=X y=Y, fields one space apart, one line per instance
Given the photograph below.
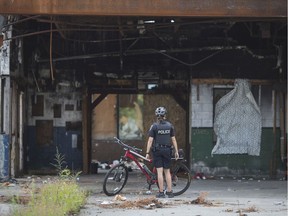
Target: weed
x=56 y=198
x=60 y=161
x=62 y=170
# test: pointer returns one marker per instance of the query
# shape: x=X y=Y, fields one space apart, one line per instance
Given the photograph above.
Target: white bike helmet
x=160 y=111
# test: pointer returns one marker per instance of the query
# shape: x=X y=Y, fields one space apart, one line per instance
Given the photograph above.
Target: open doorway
x=129 y=117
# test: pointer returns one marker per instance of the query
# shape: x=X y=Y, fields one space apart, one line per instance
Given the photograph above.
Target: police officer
x=161 y=134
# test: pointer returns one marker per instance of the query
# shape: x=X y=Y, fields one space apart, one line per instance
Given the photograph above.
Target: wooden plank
x=157 y=8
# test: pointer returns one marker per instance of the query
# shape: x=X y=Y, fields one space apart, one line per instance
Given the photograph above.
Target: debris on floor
x=201 y=200
x=147 y=203
x=8 y=182
x=247 y=210
x=118 y=197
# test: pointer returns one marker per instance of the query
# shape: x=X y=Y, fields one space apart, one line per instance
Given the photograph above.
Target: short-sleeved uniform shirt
x=161 y=148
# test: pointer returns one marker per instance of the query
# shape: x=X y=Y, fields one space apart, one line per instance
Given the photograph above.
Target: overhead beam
x=231 y=81
x=184 y=8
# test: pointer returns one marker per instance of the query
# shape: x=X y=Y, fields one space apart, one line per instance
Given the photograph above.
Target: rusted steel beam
x=184 y=8
x=231 y=81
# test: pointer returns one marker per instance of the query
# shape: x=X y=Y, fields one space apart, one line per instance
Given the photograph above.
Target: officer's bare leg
x=168 y=179
x=160 y=178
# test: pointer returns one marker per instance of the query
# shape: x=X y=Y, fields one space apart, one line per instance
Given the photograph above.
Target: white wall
x=202 y=105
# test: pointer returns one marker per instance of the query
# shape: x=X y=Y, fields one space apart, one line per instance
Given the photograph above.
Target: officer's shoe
x=160 y=195
x=170 y=194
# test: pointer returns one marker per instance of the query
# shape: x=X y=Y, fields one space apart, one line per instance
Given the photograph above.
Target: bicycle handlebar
x=127 y=146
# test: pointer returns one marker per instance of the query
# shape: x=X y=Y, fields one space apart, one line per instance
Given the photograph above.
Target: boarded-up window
x=104 y=118
x=69 y=107
x=37 y=105
x=44 y=132
x=57 y=110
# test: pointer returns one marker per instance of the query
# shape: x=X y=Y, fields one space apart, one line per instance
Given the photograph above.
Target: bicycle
x=116 y=178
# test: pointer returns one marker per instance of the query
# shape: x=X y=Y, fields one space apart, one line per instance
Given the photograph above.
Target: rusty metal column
x=86 y=128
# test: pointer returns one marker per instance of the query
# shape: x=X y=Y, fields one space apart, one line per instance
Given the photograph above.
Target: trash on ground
x=118 y=197
x=148 y=203
x=201 y=200
x=105 y=202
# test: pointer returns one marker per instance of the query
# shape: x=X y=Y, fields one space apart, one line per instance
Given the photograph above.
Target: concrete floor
x=237 y=197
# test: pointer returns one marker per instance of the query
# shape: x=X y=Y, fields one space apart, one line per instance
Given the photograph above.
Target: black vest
x=163 y=133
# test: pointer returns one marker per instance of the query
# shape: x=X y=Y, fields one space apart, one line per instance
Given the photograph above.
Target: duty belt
x=164 y=146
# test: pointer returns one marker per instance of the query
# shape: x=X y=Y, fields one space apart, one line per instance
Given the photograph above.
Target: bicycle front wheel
x=181 y=178
x=115 y=179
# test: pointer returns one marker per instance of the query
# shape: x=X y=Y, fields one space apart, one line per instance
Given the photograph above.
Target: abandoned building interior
x=73 y=82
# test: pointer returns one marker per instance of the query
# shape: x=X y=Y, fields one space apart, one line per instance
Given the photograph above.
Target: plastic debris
x=148 y=192
x=106 y=203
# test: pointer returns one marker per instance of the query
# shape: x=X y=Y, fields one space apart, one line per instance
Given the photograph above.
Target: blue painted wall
x=42 y=157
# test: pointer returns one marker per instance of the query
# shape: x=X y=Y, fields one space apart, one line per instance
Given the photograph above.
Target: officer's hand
x=176 y=156
x=147 y=156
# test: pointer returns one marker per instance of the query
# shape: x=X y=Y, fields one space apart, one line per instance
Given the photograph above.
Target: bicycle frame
x=117 y=176
x=129 y=154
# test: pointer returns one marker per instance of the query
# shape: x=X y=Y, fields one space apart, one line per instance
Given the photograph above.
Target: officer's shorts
x=162 y=158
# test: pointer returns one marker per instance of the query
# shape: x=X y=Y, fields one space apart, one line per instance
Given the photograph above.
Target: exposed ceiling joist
x=184 y=8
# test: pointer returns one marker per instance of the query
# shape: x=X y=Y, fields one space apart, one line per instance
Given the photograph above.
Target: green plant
x=60 y=161
x=57 y=198
x=62 y=171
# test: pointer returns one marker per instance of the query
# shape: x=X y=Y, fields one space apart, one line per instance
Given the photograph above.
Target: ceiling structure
x=133 y=43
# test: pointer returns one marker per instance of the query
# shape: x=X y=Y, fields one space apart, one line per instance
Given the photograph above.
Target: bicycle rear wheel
x=181 y=178
x=115 y=179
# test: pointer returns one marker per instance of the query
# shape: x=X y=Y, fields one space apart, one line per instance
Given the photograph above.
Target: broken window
x=130 y=116
x=118 y=115
x=104 y=117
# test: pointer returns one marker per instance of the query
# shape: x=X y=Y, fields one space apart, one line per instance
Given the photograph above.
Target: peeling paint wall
x=4 y=153
x=70 y=103
x=59 y=125
x=5 y=106
x=4 y=56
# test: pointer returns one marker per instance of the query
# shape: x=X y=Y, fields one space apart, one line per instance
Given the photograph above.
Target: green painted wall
x=202 y=145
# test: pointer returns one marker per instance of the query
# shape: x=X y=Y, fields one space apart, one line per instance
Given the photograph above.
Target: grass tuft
x=60 y=197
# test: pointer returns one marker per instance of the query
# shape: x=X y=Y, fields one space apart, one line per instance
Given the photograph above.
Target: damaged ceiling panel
x=147 y=49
